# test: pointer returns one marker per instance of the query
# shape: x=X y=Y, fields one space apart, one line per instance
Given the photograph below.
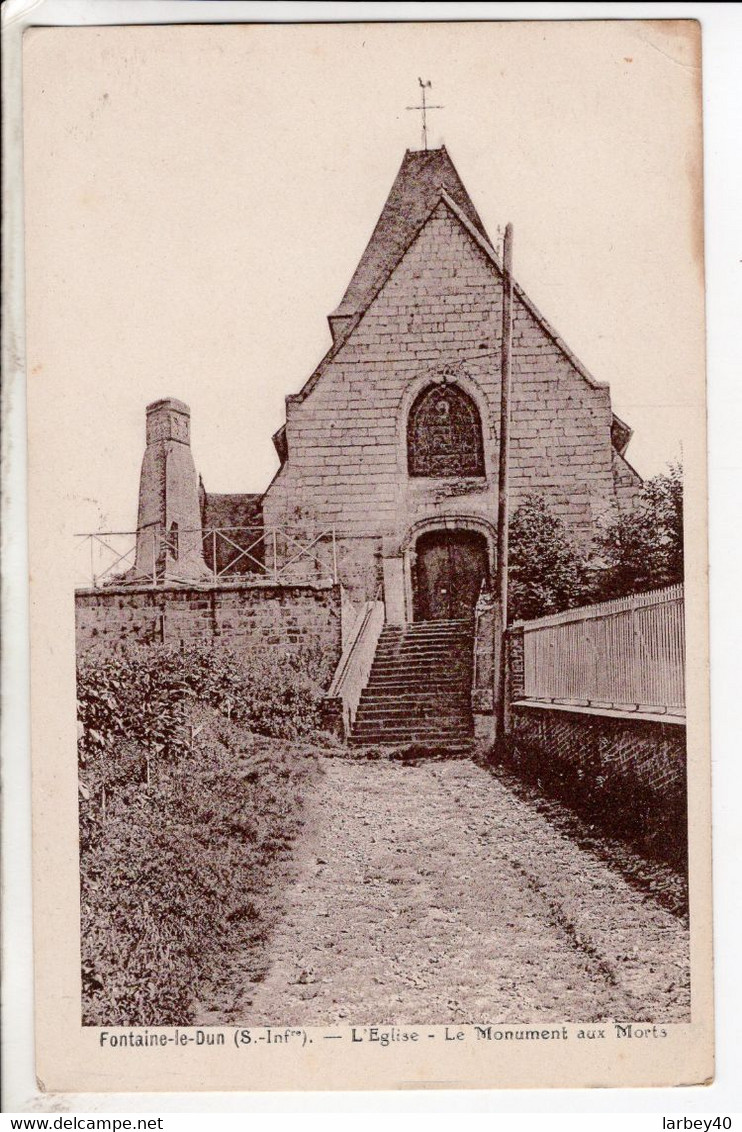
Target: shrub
x=642 y=548
x=142 y=692
x=547 y=573
x=180 y=873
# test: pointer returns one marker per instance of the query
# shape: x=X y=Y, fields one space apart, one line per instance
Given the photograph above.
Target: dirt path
x=431 y=893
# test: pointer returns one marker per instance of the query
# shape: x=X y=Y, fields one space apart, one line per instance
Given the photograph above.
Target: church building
x=393 y=441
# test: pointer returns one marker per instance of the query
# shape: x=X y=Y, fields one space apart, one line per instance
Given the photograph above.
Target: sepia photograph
x=366 y=416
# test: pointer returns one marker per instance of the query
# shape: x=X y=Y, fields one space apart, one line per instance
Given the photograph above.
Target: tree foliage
x=642 y=548
x=547 y=571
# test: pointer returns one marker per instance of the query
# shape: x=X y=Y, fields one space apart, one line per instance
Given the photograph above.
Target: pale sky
x=198 y=198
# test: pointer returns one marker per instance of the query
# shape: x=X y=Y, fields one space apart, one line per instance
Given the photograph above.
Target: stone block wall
x=238 y=615
x=626 y=774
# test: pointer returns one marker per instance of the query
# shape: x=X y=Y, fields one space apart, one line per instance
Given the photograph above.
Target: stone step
x=422 y=665
x=386 y=737
x=444 y=682
x=419 y=688
x=428 y=635
x=444 y=672
x=432 y=641
x=412 y=655
x=406 y=715
x=446 y=668
x=461 y=640
x=420 y=678
x=459 y=662
x=405 y=653
x=415 y=627
x=379 y=711
x=437 y=625
x=458 y=690
x=422 y=652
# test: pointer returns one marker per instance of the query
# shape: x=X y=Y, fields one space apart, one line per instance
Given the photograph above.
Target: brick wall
x=281 y=616
x=628 y=775
x=346 y=435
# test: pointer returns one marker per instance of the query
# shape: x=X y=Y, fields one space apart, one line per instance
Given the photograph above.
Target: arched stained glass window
x=444 y=434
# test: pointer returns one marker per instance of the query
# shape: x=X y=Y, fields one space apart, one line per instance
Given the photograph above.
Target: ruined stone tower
x=169 y=539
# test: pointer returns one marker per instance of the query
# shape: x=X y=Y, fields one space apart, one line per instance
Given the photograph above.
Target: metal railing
x=154 y=556
x=627 y=654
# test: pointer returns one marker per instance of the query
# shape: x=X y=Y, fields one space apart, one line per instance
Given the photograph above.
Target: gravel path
x=430 y=894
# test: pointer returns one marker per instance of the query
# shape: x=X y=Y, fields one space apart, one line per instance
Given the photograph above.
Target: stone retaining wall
x=626 y=774
x=284 y=616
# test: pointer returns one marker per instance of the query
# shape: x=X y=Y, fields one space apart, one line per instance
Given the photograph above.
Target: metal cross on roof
x=424 y=108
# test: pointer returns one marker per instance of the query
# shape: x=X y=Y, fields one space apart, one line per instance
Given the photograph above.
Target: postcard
x=367 y=513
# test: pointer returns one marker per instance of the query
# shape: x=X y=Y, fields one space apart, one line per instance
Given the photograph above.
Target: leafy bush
x=547 y=572
x=642 y=548
x=142 y=692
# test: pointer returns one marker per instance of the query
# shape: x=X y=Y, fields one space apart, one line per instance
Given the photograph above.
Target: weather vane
x=424 y=108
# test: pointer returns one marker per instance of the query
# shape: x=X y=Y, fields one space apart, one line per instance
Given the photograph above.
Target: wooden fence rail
x=627 y=654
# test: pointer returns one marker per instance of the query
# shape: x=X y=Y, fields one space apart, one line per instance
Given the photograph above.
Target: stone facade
x=436 y=318
x=346 y=437
x=423 y=312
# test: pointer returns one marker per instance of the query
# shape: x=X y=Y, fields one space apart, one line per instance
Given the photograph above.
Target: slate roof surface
x=414 y=195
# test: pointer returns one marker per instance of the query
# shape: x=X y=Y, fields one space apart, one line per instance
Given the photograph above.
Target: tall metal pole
x=503 y=485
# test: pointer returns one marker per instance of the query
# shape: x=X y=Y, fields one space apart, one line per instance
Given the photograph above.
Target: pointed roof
x=425 y=179
x=422 y=176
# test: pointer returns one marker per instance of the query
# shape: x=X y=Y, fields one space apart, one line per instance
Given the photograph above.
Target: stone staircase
x=419 y=689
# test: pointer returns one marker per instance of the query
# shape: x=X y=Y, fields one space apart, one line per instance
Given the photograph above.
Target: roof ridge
x=355 y=318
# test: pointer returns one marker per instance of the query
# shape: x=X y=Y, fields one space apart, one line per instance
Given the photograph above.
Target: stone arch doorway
x=450 y=567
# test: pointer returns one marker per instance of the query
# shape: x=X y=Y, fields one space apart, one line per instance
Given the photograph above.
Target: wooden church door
x=450 y=569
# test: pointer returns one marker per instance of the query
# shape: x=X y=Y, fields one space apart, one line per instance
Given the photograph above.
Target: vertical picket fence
x=627 y=654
